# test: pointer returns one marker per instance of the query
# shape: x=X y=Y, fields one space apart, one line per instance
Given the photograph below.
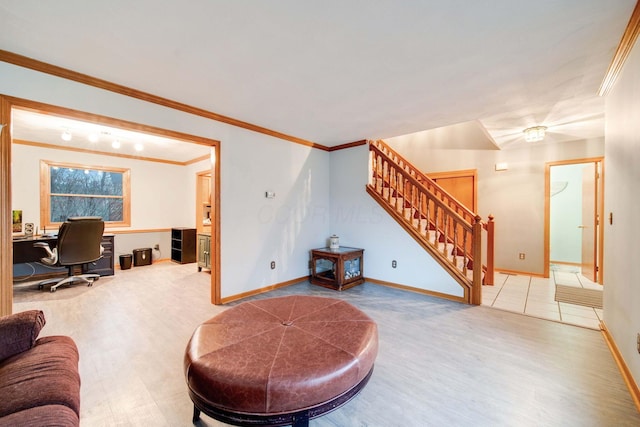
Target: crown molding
x=43 y=67
x=622 y=53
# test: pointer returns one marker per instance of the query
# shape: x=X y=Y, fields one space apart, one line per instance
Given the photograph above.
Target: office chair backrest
x=79 y=240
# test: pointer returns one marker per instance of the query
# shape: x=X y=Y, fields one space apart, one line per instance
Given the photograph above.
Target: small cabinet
x=204 y=251
x=183 y=245
x=338 y=269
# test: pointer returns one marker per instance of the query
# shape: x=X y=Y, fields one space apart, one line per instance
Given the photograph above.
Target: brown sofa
x=39 y=379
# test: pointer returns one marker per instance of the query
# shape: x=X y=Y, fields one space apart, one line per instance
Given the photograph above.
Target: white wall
x=257 y=230
x=360 y=222
x=254 y=230
x=515 y=197
x=156 y=188
x=622 y=183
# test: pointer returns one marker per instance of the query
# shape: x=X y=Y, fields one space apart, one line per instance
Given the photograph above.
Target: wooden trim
x=622 y=53
x=576 y=161
x=601 y=223
x=216 y=229
x=546 y=251
x=348 y=145
x=415 y=290
x=142 y=230
x=6 y=241
x=518 y=272
x=197 y=159
x=200 y=202
x=547 y=211
x=6 y=268
x=105 y=153
x=155 y=261
x=43 y=67
x=45 y=194
x=622 y=366
x=270 y=288
x=55 y=110
x=453 y=174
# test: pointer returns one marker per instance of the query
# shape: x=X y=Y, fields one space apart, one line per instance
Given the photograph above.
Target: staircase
x=445 y=228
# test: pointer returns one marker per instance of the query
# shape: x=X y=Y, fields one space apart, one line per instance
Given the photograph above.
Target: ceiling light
x=66 y=135
x=93 y=137
x=139 y=147
x=115 y=143
x=535 y=133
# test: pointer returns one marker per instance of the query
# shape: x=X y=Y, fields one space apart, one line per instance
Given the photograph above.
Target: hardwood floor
x=440 y=363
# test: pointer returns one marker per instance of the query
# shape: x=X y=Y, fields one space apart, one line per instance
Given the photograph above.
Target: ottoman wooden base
x=295 y=419
x=280 y=361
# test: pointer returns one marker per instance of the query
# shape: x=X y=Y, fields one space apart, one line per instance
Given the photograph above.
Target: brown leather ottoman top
x=280 y=355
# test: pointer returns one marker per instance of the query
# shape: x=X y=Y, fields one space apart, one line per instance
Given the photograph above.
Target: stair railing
x=441 y=224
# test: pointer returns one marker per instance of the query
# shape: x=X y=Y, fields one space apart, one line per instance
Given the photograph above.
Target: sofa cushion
x=46 y=374
x=48 y=415
x=19 y=331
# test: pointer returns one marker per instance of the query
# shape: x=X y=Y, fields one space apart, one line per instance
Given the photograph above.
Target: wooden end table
x=338 y=269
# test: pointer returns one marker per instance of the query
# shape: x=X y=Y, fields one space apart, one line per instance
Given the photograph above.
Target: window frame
x=45 y=191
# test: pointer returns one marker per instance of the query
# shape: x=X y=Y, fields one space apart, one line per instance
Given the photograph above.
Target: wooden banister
x=441 y=224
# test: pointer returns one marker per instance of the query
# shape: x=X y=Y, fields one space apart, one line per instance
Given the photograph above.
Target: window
x=79 y=190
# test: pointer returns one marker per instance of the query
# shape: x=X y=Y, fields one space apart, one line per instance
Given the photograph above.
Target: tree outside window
x=80 y=190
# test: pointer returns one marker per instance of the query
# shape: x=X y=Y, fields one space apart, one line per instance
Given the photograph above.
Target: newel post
x=488 y=277
x=476 y=290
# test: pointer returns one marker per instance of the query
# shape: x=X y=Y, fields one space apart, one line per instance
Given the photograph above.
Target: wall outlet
x=273 y=265
x=156 y=247
x=521 y=255
x=394 y=263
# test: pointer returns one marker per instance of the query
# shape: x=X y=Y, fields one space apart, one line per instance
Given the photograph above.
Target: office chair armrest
x=52 y=257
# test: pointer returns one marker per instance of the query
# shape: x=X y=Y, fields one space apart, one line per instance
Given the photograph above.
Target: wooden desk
x=337 y=269
x=26 y=259
x=23 y=250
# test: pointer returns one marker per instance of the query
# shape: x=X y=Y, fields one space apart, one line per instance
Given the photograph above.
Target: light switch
x=270 y=194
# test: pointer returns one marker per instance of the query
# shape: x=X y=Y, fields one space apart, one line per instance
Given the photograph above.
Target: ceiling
x=333 y=72
x=46 y=130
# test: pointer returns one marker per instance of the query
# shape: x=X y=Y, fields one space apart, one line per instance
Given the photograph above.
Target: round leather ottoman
x=279 y=361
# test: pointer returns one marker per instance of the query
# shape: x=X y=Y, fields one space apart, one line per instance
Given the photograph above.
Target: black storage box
x=141 y=256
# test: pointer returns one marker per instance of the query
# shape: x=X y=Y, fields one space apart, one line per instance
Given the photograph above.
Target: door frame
x=7 y=103
x=599 y=209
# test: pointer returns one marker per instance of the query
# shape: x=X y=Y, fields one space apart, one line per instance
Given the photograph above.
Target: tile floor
x=534 y=296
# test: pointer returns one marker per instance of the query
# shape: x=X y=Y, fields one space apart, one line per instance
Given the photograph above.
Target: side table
x=338 y=269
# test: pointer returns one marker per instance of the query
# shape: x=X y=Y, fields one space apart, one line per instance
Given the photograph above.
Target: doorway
x=574 y=202
x=7 y=105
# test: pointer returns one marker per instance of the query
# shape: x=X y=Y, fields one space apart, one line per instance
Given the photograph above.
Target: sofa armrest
x=19 y=331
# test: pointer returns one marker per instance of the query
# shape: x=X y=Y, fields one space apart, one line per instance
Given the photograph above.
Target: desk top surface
x=34 y=238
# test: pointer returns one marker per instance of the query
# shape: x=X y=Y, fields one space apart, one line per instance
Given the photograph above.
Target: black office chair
x=79 y=243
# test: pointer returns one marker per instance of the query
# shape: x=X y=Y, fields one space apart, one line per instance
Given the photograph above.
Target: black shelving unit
x=183 y=245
